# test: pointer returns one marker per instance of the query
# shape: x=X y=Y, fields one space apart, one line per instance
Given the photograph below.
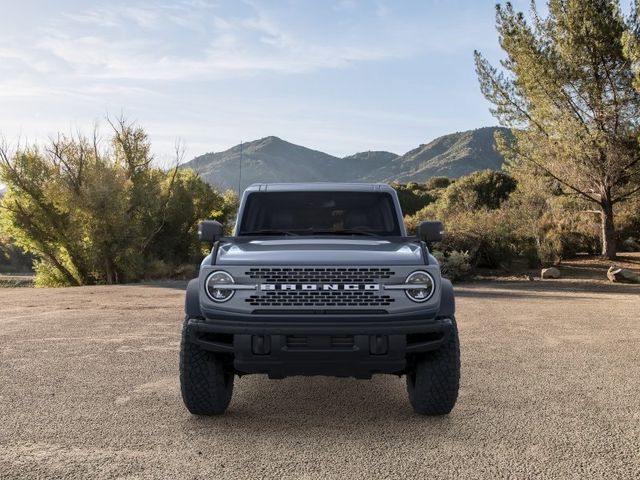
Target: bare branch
x=560 y=180
x=626 y=195
x=179 y=151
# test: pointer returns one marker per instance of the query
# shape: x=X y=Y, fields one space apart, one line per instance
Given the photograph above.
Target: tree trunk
x=608 y=231
x=73 y=281
x=108 y=271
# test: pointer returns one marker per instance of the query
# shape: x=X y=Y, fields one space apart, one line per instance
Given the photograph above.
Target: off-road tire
x=434 y=381
x=206 y=386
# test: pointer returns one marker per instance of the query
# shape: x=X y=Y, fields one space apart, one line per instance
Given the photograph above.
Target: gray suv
x=319 y=279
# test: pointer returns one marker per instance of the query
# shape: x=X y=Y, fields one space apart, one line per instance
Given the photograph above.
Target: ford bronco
x=319 y=279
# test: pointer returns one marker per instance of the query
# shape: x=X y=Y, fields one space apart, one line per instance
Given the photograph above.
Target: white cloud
x=197 y=41
x=174 y=67
x=226 y=45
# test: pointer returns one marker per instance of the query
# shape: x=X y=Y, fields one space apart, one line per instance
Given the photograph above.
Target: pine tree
x=566 y=89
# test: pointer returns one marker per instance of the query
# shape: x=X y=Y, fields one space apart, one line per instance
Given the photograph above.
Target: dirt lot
x=551 y=375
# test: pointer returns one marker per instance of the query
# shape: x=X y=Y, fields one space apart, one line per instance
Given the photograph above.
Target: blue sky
x=340 y=76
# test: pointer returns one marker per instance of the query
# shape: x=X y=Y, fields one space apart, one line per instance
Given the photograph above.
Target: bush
x=413 y=197
x=455 y=265
x=496 y=218
x=630 y=244
x=47 y=275
x=92 y=214
x=565 y=230
x=158 y=270
x=485 y=235
x=482 y=189
x=557 y=245
x=435 y=183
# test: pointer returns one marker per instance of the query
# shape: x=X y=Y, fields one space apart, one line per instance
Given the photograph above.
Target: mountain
x=272 y=159
x=355 y=166
x=452 y=156
x=269 y=159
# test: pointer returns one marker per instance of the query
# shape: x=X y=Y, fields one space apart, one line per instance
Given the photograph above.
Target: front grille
x=319 y=274
x=338 y=298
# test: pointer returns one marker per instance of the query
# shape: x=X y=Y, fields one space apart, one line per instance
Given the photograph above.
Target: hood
x=320 y=251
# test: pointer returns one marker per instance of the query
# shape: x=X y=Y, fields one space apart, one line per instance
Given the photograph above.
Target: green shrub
x=630 y=244
x=482 y=189
x=435 y=183
x=413 y=197
x=47 y=275
x=94 y=214
x=158 y=269
x=454 y=265
x=557 y=245
x=487 y=236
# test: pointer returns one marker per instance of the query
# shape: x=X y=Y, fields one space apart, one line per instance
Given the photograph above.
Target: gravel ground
x=550 y=382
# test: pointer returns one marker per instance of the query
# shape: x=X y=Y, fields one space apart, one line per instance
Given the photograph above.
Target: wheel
x=434 y=381
x=206 y=386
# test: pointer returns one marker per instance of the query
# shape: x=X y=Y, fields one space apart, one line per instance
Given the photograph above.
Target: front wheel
x=434 y=381
x=205 y=384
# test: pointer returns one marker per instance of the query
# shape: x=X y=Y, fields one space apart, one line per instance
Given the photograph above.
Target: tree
x=566 y=91
x=102 y=215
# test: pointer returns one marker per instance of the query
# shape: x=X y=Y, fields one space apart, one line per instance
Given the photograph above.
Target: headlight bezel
x=430 y=280
x=230 y=281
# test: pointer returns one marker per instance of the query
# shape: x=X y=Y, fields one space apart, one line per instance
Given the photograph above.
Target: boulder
x=622 y=275
x=551 y=272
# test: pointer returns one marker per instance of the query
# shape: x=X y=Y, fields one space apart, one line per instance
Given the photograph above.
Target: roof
x=320 y=187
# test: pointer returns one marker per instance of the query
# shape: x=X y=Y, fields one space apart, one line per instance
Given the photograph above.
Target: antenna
x=240 y=171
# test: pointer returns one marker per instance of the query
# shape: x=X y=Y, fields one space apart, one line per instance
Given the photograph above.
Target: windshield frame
x=395 y=212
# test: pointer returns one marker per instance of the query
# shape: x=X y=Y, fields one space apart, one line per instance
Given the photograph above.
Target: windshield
x=319 y=213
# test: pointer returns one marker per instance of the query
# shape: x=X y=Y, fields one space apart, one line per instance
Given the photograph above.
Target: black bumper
x=335 y=346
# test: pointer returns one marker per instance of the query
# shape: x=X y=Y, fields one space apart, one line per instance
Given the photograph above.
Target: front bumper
x=347 y=346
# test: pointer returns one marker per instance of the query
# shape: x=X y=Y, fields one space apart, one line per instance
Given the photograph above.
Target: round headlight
x=426 y=286
x=215 y=286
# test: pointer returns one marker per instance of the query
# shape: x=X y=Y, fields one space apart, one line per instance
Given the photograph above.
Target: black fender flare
x=192 y=300
x=447 y=300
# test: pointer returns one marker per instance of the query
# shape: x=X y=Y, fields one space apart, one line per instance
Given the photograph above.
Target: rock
x=622 y=275
x=551 y=272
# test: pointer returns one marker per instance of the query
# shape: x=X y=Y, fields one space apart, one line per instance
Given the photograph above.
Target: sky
x=340 y=76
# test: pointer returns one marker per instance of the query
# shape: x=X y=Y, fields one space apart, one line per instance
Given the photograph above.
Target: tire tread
x=205 y=386
x=433 y=386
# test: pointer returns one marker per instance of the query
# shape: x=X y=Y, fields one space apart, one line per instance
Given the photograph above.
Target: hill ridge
x=273 y=159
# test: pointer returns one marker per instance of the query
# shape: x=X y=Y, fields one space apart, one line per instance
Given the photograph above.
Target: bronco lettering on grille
x=324 y=286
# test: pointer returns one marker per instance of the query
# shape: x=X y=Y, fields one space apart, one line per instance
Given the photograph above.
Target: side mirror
x=430 y=231
x=210 y=230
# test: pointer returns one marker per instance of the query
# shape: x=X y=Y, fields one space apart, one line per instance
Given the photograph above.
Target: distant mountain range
x=272 y=159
